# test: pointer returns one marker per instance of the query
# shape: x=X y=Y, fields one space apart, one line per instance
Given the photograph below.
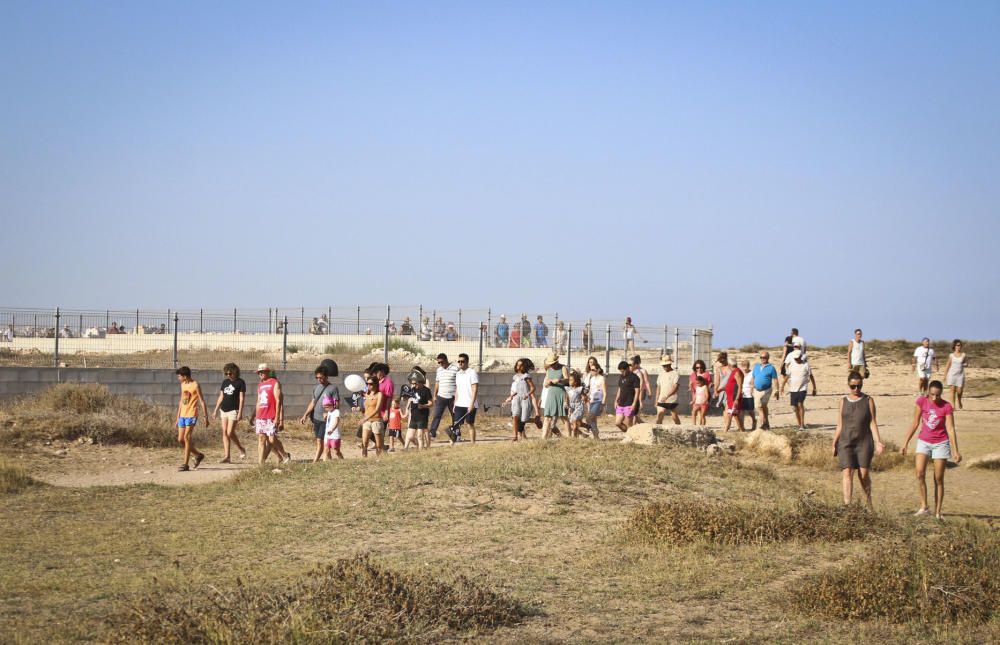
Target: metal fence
x=354 y=336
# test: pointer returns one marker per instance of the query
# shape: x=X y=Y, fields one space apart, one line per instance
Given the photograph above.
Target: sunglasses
x=461 y=362
x=855 y=386
x=372 y=382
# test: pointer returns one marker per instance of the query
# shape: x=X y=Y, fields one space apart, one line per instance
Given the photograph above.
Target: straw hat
x=263 y=367
x=551 y=359
x=666 y=360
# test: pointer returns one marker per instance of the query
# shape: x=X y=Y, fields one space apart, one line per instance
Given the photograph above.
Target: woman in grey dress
x=857 y=439
x=955 y=373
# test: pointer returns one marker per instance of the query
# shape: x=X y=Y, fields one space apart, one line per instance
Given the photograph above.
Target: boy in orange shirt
x=187 y=416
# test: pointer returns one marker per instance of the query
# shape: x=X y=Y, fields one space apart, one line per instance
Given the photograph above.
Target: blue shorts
x=797 y=398
x=748 y=404
x=187 y=422
x=934 y=450
x=319 y=429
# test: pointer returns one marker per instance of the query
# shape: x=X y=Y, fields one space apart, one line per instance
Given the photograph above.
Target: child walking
x=395 y=424
x=576 y=402
x=700 y=403
x=187 y=416
x=331 y=415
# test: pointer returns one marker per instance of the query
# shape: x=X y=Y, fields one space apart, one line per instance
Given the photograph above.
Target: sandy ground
x=970 y=491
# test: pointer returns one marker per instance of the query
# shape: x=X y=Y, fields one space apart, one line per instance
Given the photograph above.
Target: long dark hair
x=697 y=363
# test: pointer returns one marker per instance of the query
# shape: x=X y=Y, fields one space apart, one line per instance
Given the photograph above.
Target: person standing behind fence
x=425 y=329
x=541 y=333
x=630 y=333
x=444 y=394
x=270 y=417
x=587 y=347
x=525 y=331
x=561 y=337
x=187 y=416
x=502 y=336
x=856 y=355
x=954 y=371
x=229 y=407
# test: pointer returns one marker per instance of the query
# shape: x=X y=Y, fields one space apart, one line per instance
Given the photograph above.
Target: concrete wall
x=160 y=387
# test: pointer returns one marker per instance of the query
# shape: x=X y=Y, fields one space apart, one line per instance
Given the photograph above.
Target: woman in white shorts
x=955 y=372
x=937 y=441
x=229 y=407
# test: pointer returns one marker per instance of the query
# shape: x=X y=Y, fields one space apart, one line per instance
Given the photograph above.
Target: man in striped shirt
x=444 y=394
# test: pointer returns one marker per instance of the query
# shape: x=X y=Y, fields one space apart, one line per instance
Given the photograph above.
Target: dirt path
x=892 y=384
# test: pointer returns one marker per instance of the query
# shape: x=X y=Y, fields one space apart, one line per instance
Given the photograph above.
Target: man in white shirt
x=466 y=398
x=925 y=362
x=799 y=377
x=800 y=342
x=444 y=394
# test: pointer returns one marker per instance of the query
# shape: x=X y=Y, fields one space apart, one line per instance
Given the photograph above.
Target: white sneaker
x=923 y=511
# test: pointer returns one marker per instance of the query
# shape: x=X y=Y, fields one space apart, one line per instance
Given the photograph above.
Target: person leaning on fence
x=501 y=335
x=444 y=394
x=406 y=329
x=541 y=333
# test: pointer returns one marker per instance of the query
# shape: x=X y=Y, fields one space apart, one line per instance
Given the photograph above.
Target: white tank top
x=858 y=353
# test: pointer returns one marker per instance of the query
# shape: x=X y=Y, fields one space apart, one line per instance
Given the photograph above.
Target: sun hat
x=666 y=360
x=263 y=367
x=551 y=359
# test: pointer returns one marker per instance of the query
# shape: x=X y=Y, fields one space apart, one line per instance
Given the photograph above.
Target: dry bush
x=72 y=411
x=816 y=450
x=948 y=577
x=13 y=479
x=987 y=462
x=685 y=519
x=354 y=600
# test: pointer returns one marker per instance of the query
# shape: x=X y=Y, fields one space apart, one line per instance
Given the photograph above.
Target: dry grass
x=74 y=411
x=815 y=450
x=353 y=600
x=13 y=479
x=684 y=519
x=947 y=577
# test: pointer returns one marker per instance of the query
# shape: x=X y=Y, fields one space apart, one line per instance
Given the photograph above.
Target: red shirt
x=267 y=404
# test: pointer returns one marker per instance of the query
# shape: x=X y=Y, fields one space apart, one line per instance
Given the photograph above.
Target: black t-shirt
x=231 y=389
x=421 y=395
x=627 y=385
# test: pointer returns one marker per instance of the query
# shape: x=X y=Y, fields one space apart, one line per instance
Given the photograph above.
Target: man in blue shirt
x=541 y=333
x=764 y=376
x=503 y=332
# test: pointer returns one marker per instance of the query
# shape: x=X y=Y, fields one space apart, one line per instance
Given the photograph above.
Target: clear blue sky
x=754 y=165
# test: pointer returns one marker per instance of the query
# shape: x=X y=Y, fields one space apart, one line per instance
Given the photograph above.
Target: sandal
x=183 y=468
x=198 y=460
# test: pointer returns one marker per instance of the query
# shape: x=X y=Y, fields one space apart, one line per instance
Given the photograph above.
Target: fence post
x=569 y=346
x=482 y=337
x=79 y=328
x=168 y=319
x=329 y=320
x=302 y=320
x=607 y=351
x=433 y=322
x=663 y=350
x=201 y=321
x=489 y=322
x=589 y=344
x=176 y=321
x=420 y=320
x=459 y=323
x=284 y=344
x=136 y=330
x=234 y=320
x=677 y=356
x=57 y=340
x=385 y=341
x=107 y=319
x=694 y=344
x=359 y=320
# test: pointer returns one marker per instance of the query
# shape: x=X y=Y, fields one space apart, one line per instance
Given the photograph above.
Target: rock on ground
x=768 y=443
x=700 y=437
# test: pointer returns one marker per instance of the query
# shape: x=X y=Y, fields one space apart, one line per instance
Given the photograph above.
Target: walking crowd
x=570 y=403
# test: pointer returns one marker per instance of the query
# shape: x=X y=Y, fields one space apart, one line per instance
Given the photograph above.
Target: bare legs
x=939 y=467
x=229 y=436
x=864 y=477
x=956 y=397
x=184 y=438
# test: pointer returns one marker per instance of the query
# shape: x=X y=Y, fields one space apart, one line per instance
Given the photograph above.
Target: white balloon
x=354 y=383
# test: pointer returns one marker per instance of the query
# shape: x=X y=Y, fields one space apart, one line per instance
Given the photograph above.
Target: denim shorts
x=940 y=450
x=319 y=429
x=595 y=408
